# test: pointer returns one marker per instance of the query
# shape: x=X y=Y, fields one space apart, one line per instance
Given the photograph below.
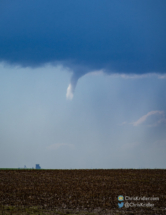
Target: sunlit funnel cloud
x=70 y=92
x=71 y=87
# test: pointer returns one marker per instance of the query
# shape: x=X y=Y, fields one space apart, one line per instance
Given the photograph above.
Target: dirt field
x=81 y=191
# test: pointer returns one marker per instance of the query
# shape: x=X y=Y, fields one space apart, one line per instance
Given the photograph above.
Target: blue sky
x=83 y=84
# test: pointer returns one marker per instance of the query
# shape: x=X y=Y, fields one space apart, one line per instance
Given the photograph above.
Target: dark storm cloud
x=118 y=36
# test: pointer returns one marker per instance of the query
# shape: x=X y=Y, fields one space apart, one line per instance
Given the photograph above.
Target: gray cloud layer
x=117 y=36
x=123 y=36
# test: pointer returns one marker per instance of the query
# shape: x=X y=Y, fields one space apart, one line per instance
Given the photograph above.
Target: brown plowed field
x=81 y=191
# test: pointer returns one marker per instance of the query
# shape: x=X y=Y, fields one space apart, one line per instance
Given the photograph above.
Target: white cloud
x=162 y=76
x=161 y=118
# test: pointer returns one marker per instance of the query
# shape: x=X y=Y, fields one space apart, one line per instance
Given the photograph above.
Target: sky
x=83 y=84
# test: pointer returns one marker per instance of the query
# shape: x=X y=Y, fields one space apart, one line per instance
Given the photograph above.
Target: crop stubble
x=73 y=189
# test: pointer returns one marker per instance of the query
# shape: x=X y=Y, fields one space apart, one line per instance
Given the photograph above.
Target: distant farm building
x=38 y=166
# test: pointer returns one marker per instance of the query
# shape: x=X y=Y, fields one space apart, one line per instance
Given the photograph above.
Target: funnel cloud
x=70 y=92
x=72 y=86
